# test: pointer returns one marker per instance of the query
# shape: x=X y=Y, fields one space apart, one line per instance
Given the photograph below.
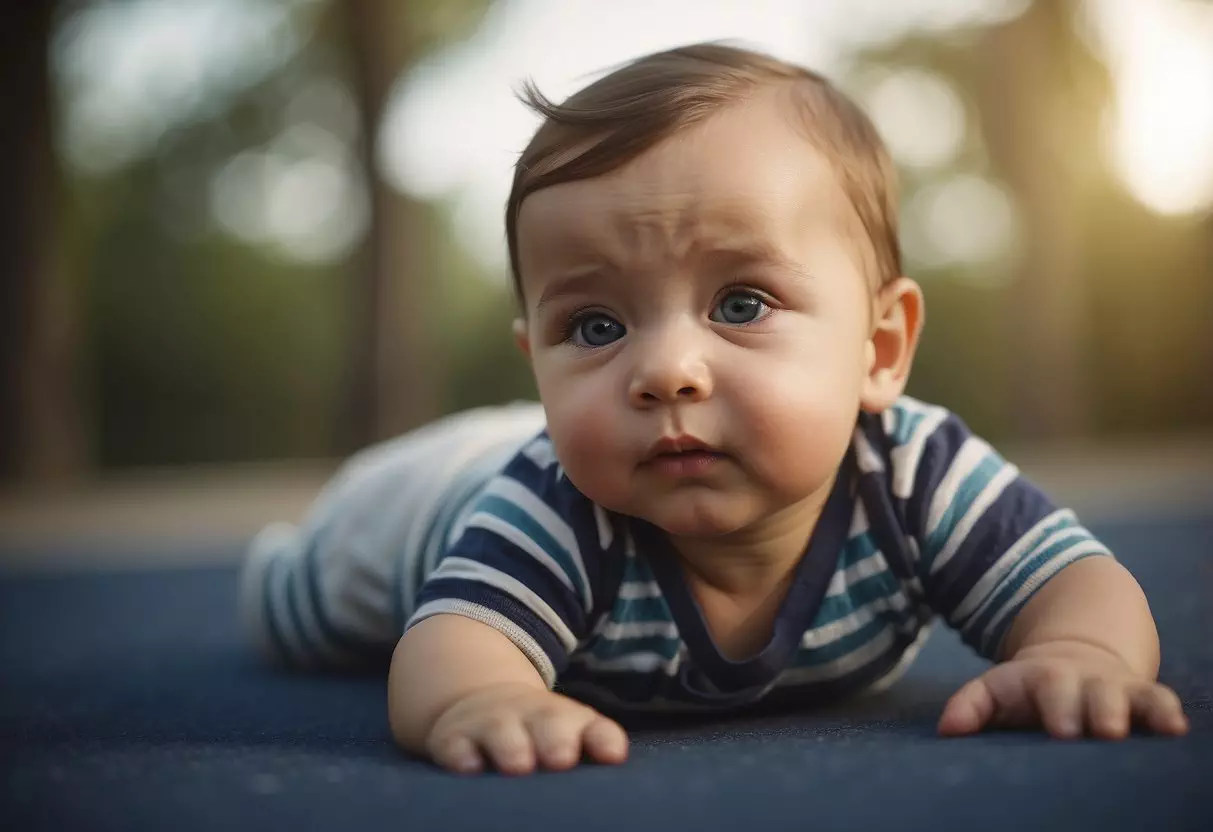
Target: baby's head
x=704 y=247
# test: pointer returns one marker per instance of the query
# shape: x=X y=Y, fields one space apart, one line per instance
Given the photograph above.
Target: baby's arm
x=1080 y=657
x=461 y=693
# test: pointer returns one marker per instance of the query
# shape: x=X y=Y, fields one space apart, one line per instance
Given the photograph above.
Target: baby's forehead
x=739 y=187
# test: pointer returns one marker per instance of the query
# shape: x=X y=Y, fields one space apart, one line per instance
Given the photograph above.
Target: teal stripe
x=907 y=422
x=529 y=526
x=972 y=487
x=856 y=549
x=810 y=657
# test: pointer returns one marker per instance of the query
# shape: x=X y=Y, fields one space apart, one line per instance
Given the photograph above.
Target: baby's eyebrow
x=760 y=254
x=579 y=282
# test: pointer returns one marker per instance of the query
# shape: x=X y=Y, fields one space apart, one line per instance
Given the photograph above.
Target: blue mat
x=128 y=701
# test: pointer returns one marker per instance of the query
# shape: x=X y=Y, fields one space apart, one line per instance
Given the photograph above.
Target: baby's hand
x=513 y=727
x=1069 y=688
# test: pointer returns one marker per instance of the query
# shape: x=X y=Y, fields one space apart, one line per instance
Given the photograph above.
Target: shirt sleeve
x=522 y=561
x=985 y=539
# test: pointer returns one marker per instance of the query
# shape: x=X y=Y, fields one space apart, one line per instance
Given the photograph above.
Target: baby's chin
x=691 y=518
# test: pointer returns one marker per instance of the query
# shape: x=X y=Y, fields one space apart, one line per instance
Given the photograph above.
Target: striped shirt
x=925 y=520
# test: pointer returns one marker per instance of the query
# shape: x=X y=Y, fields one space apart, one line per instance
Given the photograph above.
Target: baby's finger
x=1107 y=709
x=457 y=754
x=1057 y=695
x=969 y=710
x=508 y=744
x=1159 y=708
x=557 y=736
x=605 y=741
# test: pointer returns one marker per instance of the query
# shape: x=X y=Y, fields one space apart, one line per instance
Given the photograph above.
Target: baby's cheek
x=802 y=423
x=583 y=429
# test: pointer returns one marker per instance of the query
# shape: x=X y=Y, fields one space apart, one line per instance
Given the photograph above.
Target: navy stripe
x=523 y=521
x=666 y=646
x=483 y=546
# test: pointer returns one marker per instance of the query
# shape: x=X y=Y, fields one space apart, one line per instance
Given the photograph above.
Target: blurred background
x=240 y=239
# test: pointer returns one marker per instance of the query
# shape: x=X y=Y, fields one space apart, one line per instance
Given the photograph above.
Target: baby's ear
x=898 y=311
x=521 y=338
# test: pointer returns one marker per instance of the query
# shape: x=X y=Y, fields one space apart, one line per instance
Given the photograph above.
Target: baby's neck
x=754 y=561
x=740 y=581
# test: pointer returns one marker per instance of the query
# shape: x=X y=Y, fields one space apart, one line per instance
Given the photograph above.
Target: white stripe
x=859 y=521
x=629 y=543
x=470 y=570
x=873 y=564
x=905 y=458
x=645 y=662
x=888 y=419
x=490 y=617
x=556 y=526
x=606 y=535
x=540 y=452
x=843 y=665
x=865 y=457
x=630 y=590
x=638 y=629
x=829 y=633
x=993 y=490
x=993 y=576
x=972 y=453
x=1044 y=573
x=1018 y=565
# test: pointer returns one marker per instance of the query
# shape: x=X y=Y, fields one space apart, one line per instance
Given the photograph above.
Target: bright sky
x=454 y=128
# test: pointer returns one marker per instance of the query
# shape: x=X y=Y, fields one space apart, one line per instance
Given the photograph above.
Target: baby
x=725 y=497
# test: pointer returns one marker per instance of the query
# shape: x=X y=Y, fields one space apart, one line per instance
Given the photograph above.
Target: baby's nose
x=667 y=375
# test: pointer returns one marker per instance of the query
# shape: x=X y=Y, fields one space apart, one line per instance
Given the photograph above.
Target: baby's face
x=710 y=293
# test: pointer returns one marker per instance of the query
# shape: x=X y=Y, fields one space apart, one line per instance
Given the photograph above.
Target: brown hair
x=621 y=115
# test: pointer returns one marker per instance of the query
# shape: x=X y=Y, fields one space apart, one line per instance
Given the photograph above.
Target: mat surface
x=128 y=701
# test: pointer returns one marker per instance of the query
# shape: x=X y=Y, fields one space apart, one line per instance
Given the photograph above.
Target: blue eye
x=596 y=330
x=738 y=307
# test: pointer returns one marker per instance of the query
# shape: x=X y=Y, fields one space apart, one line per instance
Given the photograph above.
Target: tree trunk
x=1034 y=131
x=392 y=374
x=42 y=439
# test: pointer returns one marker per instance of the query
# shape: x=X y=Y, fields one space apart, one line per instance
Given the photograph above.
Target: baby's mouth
x=681 y=456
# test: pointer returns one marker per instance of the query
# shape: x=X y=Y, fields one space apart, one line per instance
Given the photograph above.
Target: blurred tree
x=41 y=424
x=1042 y=96
x=394 y=372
